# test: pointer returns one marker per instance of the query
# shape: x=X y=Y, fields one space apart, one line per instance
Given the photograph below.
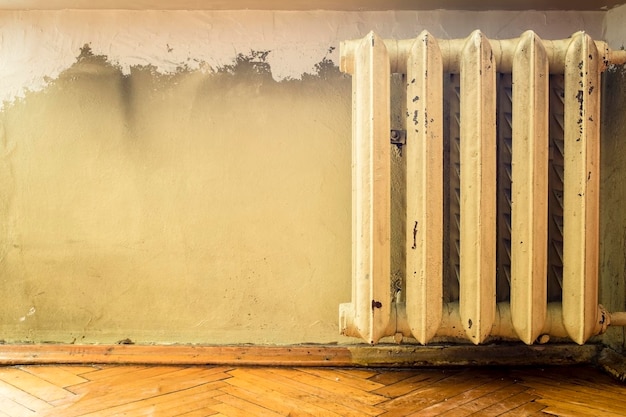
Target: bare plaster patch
x=36 y=46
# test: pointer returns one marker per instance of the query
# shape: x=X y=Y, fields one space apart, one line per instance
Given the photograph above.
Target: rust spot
x=469 y=324
x=590 y=90
x=376 y=304
x=414 y=236
x=416 y=98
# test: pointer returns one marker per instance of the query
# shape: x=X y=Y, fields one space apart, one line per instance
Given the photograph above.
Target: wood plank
x=175 y=355
x=172 y=407
x=203 y=412
x=23 y=398
x=473 y=400
x=336 y=403
x=413 y=383
x=55 y=375
x=508 y=404
x=78 y=369
x=198 y=397
x=33 y=385
x=228 y=410
x=13 y=409
x=562 y=407
x=313 y=399
x=524 y=410
x=333 y=387
x=306 y=405
x=361 y=373
x=125 y=378
x=392 y=376
x=270 y=399
x=577 y=401
x=583 y=378
x=479 y=404
x=323 y=356
x=564 y=393
x=250 y=408
x=432 y=394
x=346 y=379
x=150 y=388
x=111 y=370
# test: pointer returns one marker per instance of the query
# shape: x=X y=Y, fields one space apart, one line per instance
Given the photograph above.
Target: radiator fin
x=371 y=156
x=424 y=188
x=529 y=210
x=581 y=188
x=478 y=188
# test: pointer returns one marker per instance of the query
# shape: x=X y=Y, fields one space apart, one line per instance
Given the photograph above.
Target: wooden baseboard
x=301 y=355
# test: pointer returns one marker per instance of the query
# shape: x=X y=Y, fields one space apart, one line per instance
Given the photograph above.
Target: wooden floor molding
x=301 y=355
x=233 y=391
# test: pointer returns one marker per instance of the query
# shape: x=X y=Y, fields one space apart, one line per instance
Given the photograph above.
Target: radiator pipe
x=618 y=319
x=503 y=53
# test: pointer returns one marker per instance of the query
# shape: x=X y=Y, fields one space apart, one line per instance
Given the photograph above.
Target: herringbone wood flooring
x=72 y=391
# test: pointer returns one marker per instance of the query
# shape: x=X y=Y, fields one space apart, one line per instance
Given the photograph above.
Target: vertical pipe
x=529 y=209
x=371 y=189
x=581 y=188
x=424 y=188
x=478 y=188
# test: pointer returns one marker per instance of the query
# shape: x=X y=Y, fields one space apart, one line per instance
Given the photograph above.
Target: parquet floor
x=72 y=391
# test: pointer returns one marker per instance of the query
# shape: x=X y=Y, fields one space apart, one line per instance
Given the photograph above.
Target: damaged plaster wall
x=613 y=171
x=185 y=176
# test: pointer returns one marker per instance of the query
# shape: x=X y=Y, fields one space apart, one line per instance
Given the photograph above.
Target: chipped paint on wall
x=36 y=46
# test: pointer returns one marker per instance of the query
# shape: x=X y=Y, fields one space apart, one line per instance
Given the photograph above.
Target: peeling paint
x=36 y=46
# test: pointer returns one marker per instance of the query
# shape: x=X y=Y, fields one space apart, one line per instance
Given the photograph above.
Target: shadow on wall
x=204 y=206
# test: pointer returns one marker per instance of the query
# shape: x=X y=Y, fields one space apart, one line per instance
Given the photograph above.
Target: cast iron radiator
x=500 y=200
